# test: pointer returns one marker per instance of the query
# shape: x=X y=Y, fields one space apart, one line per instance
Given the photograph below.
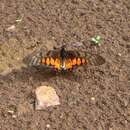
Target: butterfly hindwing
x=73 y=59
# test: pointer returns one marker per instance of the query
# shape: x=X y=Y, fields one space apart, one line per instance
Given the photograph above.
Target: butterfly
x=64 y=60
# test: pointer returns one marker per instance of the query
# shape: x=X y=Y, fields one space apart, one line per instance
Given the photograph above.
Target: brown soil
x=93 y=98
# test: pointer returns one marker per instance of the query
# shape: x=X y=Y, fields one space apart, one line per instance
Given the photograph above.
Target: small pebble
x=93 y=98
x=61 y=116
x=14 y=116
x=10 y=111
x=18 y=58
x=48 y=125
x=11 y=28
x=126 y=121
x=119 y=54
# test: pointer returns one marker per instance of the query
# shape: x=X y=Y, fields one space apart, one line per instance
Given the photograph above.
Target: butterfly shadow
x=24 y=74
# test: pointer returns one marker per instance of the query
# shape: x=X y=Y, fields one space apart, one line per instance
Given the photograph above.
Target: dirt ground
x=92 y=98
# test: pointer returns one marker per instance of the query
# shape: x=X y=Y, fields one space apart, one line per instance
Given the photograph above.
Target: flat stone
x=45 y=96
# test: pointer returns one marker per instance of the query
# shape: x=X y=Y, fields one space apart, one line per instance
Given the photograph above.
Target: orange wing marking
x=68 y=64
x=57 y=63
x=78 y=61
x=52 y=61
x=83 y=61
x=48 y=61
x=74 y=61
x=43 y=61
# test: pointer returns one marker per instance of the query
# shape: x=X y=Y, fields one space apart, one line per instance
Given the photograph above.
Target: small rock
x=48 y=125
x=14 y=116
x=61 y=116
x=126 y=121
x=119 y=54
x=93 y=98
x=126 y=102
x=17 y=58
x=45 y=97
x=11 y=112
x=11 y=28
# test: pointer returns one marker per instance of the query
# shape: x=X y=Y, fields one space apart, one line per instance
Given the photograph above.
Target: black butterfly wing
x=72 y=54
x=53 y=54
x=73 y=59
x=90 y=59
